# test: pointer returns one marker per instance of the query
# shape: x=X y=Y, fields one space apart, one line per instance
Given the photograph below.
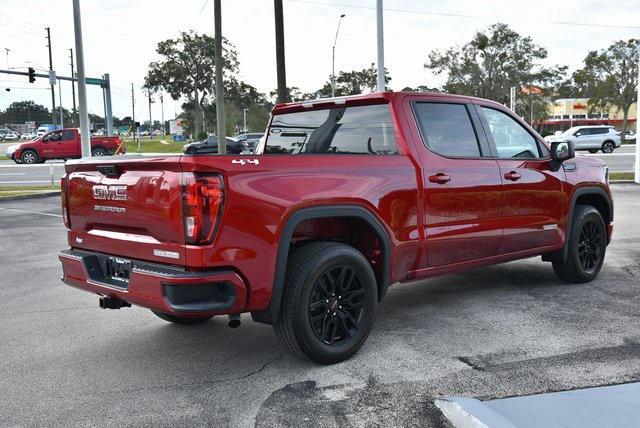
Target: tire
x=587 y=247
x=329 y=301
x=29 y=157
x=608 y=147
x=98 y=152
x=593 y=150
x=182 y=320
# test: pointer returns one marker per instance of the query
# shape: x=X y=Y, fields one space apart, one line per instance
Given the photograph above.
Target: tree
x=492 y=62
x=355 y=82
x=25 y=111
x=609 y=78
x=188 y=69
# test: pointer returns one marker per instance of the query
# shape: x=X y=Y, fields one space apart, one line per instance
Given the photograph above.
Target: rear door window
x=340 y=130
x=447 y=129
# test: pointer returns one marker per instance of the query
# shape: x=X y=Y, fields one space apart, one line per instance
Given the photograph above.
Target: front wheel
x=182 y=320
x=587 y=246
x=29 y=157
x=329 y=301
x=608 y=147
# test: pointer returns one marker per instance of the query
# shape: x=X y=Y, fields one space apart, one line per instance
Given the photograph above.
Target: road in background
x=621 y=160
x=501 y=331
x=12 y=174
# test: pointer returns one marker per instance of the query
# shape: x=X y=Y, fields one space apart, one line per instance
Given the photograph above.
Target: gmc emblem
x=113 y=193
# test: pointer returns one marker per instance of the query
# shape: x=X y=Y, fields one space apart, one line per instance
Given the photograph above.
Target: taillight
x=202 y=198
x=63 y=197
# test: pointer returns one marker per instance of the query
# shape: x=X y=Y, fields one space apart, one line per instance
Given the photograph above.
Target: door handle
x=513 y=176
x=439 y=178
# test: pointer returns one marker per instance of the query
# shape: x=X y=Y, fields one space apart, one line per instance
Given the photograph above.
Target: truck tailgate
x=127 y=206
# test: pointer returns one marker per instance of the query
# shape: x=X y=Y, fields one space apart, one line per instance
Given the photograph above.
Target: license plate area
x=118 y=269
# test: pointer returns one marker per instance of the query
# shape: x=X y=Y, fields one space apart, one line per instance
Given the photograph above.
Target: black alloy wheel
x=336 y=305
x=590 y=246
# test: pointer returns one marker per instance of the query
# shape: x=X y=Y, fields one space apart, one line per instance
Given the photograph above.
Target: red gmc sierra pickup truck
x=342 y=198
x=63 y=144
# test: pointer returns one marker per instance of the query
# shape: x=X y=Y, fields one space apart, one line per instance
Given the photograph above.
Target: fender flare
x=581 y=192
x=269 y=315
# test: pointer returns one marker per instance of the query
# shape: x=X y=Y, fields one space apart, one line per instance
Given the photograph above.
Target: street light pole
x=380 y=33
x=222 y=143
x=333 y=59
x=637 y=165
x=85 y=142
x=244 y=111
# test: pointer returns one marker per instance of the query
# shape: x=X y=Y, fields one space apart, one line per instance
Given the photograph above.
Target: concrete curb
x=32 y=196
x=622 y=182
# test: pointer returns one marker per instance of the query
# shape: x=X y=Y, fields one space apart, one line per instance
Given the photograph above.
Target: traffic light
x=32 y=75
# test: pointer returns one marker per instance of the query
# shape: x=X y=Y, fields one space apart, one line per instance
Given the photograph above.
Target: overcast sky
x=120 y=37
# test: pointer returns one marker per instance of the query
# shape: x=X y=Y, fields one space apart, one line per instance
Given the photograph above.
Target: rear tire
x=329 y=301
x=593 y=150
x=182 y=320
x=98 y=152
x=608 y=147
x=587 y=247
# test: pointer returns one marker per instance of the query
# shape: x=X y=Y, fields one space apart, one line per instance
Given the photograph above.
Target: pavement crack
x=470 y=363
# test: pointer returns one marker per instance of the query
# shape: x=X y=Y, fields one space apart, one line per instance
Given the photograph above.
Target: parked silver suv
x=592 y=138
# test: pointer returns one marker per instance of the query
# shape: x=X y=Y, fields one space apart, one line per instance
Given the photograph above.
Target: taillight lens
x=63 y=196
x=202 y=199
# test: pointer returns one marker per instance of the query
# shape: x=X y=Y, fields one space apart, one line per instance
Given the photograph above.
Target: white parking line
x=30 y=182
x=31 y=212
x=600 y=155
x=13 y=173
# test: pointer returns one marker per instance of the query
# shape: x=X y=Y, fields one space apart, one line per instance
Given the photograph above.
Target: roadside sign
x=52 y=77
x=93 y=81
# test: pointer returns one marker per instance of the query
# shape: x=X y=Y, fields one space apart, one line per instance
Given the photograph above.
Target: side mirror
x=562 y=151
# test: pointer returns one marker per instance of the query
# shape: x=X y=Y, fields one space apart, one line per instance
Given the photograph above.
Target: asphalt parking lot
x=494 y=332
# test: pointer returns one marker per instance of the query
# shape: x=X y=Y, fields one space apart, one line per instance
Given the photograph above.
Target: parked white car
x=592 y=138
x=10 y=137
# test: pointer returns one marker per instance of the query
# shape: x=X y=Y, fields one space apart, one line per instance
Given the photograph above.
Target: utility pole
x=108 y=117
x=133 y=118
x=73 y=88
x=53 y=91
x=150 y=122
x=637 y=165
x=380 y=32
x=222 y=146
x=512 y=99
x=244 y=111
x=283 y=94
x=85 y=142
x=162 y=113
x=61 y=116
x=333 y=59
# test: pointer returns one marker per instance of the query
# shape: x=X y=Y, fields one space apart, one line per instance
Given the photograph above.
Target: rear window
x=447 y=129
x=341 y=130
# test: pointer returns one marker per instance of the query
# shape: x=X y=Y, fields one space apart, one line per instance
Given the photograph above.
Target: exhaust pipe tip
x=234 y=321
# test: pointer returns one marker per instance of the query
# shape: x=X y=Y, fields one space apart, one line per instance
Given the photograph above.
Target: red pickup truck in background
x=63 y=144
x=342 y=198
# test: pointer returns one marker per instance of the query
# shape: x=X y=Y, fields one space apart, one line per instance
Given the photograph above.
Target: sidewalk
x=613 y=406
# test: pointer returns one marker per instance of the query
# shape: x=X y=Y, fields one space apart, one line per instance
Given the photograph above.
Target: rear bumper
x=162 y=288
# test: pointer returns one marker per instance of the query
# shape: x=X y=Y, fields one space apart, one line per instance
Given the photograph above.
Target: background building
x=568 y=112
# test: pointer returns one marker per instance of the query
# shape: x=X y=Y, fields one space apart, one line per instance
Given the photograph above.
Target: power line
x=460 y=15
